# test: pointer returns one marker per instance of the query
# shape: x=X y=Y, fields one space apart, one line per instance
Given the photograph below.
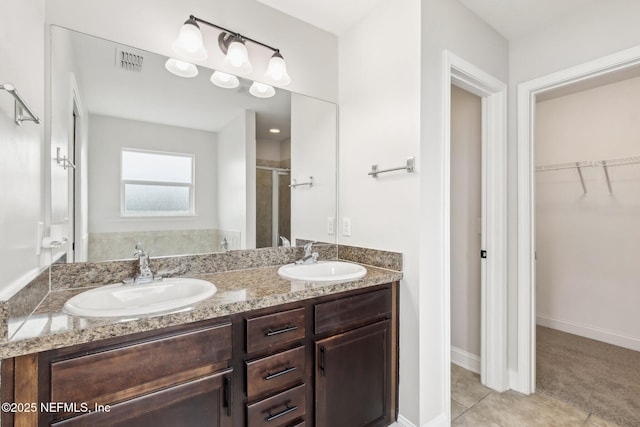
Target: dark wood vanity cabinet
x=326 y=362
x=275 y=368
x=353 y=372
x=204 y=402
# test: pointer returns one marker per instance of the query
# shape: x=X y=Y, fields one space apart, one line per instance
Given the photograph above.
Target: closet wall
x=588 y=244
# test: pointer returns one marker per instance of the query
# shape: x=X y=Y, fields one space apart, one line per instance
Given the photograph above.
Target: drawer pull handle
x=279 y=373
x=288 y=410
x=272 y=332
x=323 y=360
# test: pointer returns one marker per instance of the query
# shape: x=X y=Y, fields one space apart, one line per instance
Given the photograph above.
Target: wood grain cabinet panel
x=204 y=402
x=120 y=373
x=274 y=331
x=352 y=378
x=279 y=410
x=352 y=311
x=276 y=372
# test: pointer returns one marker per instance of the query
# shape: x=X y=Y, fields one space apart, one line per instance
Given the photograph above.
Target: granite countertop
x=49 y=327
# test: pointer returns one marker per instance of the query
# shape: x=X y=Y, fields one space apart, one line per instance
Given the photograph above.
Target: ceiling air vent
x=128 y=61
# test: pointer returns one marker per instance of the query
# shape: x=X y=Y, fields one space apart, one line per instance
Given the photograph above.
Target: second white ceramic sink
x=322 y=271
x=131 y=299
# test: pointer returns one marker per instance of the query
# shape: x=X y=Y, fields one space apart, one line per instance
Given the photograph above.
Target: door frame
x=77 y=222
x=525 y=381
x=493 y=92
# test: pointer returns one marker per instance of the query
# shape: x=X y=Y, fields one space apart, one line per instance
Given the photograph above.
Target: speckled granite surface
x=50 y=327
x=246 y=280
x=375 y=257
x=65 y=276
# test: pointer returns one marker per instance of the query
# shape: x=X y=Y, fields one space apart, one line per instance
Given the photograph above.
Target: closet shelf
x=604 y=164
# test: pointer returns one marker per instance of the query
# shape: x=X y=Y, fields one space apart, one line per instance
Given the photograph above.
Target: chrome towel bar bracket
x=294 y=184
x=20 y=106
x=410 y=167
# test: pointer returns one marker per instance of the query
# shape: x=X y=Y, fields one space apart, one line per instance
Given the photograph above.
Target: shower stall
x=273 y=205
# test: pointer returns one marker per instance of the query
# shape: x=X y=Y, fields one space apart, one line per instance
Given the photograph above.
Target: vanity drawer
x=275 y=330
x=279 y=410
x=131 y=370
x=273 y=373
x=198 y=403
x=352 y=311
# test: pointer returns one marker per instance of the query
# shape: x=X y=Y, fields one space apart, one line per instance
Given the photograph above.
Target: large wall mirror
x=179 y=164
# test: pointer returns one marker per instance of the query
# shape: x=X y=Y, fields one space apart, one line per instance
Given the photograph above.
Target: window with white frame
x=156 y=183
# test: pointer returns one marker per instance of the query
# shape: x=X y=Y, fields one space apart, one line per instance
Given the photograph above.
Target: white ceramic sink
x=322 y=271
x=129 y=300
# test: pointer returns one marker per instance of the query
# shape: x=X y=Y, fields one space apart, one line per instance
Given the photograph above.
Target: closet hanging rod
x=604 y=164
x=590 y=163
x=20 y=107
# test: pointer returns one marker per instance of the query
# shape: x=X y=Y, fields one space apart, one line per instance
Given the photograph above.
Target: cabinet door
x=353 y=378
x=202 y=402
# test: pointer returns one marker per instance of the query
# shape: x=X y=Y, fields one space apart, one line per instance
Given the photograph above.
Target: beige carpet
x=599 y=378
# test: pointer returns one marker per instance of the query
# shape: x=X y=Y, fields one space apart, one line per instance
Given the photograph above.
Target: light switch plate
x=346 y=226
x=331 y=225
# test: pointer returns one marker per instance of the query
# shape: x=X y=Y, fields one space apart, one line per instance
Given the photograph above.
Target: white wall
x=109 y=135
x=311 y=53
x=445 y=25
x=587 y=245
x=313 y=149
x=21 y=191
x=268 y=149
x=391 y=109
x=236 y=180
x=380 y=124
x=466 y=174
x=596 y=30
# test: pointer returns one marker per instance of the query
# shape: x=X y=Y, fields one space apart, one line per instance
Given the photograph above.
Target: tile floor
x=474 y=405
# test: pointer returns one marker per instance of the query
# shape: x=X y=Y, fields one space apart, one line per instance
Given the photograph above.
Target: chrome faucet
x=309 y=256
x=144 y=273
x=285 y=242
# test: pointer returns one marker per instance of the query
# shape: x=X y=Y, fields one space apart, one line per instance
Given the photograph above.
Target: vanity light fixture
x=224 y=80
x=274 y=130
x=261 y=90
x=181 y=68
x=237 y=55
x=189 y=42
x=189 y=45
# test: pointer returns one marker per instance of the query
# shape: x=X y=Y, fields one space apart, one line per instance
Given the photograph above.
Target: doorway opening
x=590 y=73
x=467 y=240
x=493 y=268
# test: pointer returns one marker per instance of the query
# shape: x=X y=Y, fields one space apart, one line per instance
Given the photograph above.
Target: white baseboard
x=587 y=331
x=465 y=359
x=441 y=420
x=403 y=422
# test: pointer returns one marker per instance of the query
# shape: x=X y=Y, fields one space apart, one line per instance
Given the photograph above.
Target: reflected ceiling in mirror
x=108 y=99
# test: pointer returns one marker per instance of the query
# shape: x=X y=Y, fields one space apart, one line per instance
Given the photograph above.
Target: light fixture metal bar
x=226 y=30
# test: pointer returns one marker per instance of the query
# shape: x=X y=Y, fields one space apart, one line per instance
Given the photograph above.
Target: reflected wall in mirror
x=179 y=164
